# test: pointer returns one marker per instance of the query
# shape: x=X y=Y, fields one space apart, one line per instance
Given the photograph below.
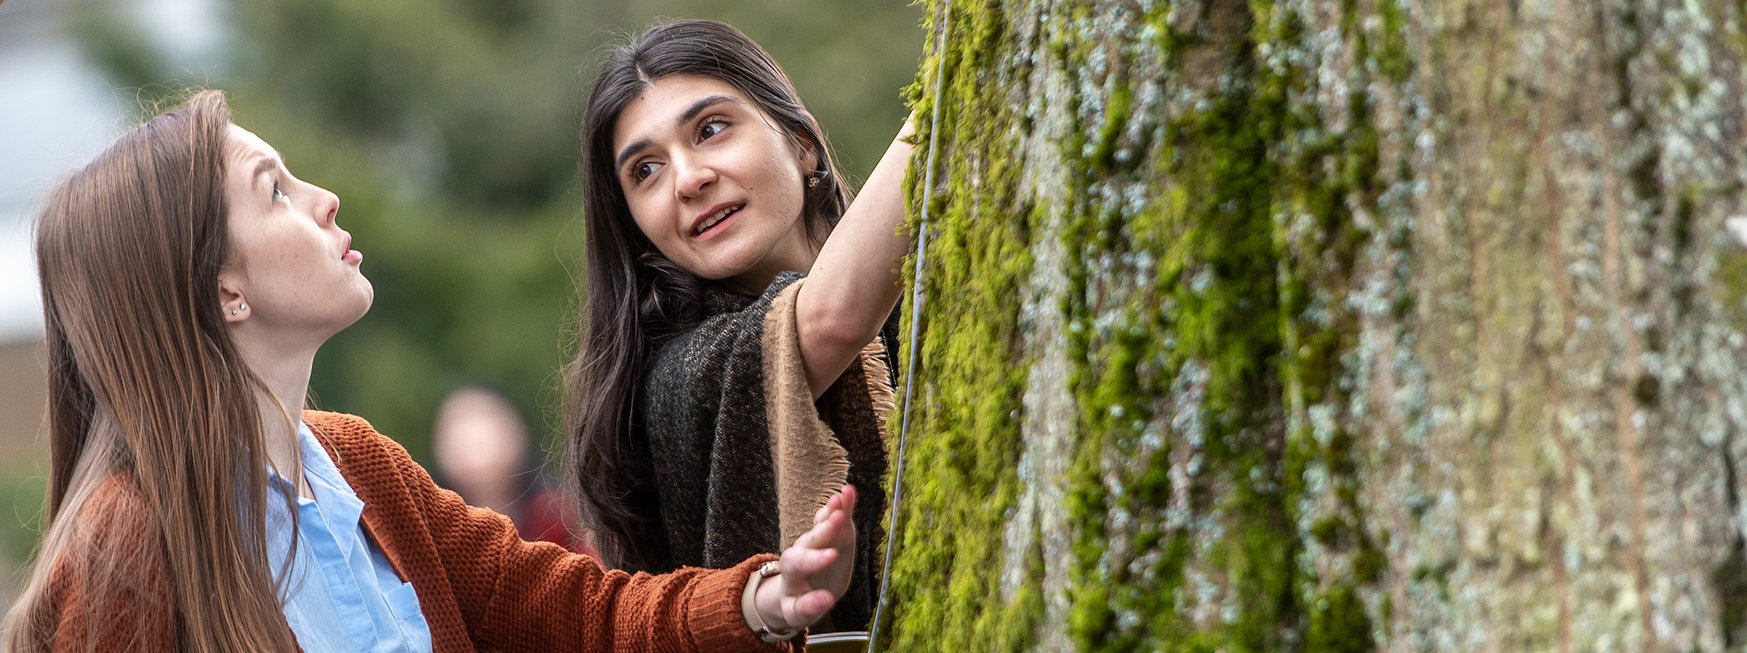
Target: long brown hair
x=635 y=299
x=150 y=402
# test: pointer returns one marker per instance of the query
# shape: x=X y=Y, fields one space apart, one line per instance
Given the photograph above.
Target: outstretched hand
x=815 y=571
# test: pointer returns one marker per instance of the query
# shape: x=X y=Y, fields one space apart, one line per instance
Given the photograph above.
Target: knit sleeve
x=536 y=596
x=90 y=604
x=702 y=407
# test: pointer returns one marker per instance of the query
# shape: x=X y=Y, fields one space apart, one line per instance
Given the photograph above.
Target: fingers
x=844 y=500
x=808 y=562
x=824 y=533
x=816 y=566
x=825 y=510
x=801 y=600
x=808 y=608
x=805 y=556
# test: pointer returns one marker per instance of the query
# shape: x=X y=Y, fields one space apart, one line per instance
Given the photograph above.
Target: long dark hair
x=634 y=298
x=156 y=442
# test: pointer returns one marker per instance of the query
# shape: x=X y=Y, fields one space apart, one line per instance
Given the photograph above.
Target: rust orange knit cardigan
x=479 y=585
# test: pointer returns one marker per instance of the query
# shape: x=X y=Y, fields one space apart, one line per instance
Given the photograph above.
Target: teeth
x=719 y=217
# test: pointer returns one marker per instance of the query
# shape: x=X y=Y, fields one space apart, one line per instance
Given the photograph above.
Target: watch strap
x=749 y=607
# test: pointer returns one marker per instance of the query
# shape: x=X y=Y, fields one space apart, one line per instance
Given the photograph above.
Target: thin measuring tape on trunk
x=915 y=326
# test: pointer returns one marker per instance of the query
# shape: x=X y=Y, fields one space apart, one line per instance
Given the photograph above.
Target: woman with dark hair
x=718 y=395
x=188 y=280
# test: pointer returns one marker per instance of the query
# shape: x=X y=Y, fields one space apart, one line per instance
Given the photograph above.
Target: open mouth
x=716 y=219
x=347 y=253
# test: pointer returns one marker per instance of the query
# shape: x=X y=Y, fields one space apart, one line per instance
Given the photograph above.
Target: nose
x=694 y=175
x=327 y=206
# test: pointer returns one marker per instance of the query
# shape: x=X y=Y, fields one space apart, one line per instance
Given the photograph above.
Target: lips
x=347 y=253
x=715 y=216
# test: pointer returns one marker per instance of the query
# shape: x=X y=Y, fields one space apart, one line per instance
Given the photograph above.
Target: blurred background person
x=485 y=454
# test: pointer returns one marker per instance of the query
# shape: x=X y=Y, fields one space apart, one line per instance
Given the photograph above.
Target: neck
x=286 y=375
x=793 y=253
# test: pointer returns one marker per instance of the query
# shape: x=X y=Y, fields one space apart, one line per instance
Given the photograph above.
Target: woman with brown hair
x=188 y=280
x=732 y=368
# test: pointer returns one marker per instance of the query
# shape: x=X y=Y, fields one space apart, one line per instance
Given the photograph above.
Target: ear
x=808 y=149
x=809 y=161
x=230 y=297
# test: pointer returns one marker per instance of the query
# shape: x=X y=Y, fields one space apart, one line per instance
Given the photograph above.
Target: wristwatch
x=749 y=606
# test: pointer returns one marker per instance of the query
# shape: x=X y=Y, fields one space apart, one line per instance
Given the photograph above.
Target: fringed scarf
x=744 y=457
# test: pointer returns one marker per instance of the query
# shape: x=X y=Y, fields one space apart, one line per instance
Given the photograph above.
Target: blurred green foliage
x=448 y=129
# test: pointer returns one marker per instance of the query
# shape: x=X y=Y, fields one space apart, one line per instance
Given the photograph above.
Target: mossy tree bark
x=1330 y=326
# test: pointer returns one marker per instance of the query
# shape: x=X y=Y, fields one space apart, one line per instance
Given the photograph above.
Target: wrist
x=769 y=601
x=761 y=605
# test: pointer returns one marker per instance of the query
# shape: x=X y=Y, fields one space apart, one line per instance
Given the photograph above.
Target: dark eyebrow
x=685 y=117
x=631 y=151
x=699 y=106
x=267 y=163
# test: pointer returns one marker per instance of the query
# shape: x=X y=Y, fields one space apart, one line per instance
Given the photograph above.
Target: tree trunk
x=1329 y=326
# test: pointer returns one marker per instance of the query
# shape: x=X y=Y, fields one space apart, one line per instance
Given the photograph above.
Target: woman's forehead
x=243 y=140
x=246 y=152
x=667 y=103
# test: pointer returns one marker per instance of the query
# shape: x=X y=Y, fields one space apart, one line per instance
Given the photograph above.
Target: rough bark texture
x=1333 y=325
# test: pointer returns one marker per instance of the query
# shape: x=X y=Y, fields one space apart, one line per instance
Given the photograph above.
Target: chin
x=361 y=305
x=364 y=306
x=730 y=264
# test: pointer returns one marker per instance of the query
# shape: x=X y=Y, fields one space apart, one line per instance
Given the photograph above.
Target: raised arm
x=854 y=281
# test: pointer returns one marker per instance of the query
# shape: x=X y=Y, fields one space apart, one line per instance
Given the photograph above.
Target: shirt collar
x=339 y=505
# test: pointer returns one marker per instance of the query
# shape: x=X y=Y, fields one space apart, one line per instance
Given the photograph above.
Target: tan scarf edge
x=809 y=462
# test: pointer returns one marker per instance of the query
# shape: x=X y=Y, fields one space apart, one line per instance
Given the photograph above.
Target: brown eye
x=710 y=129
x=643 y=170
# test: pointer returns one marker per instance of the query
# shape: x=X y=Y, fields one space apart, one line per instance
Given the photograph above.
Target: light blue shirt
x=341 y=594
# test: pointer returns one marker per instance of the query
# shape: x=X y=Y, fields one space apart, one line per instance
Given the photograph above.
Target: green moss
x=963 y=456
x=1212 y=239
x=1338 y=624
x=1731 y=289
x=1191 y=322
x=1391 y=55
x=1121 y=101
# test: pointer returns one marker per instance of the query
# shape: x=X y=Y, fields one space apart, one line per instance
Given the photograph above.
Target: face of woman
x=293 y=276
x=712 y=181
